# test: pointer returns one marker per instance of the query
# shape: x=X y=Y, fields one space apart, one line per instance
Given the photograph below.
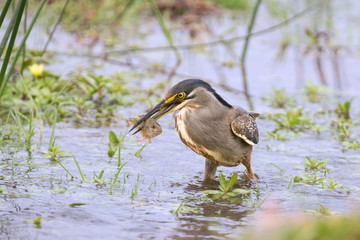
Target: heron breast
x=188 y=141
x=181 y=128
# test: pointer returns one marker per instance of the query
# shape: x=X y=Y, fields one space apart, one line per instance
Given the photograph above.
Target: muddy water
x=170 y=173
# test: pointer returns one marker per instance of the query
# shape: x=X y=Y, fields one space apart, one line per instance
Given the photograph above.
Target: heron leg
x=249 y=172
x=210 y=169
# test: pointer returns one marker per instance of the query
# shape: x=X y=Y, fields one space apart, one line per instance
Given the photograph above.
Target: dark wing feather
x=244 y=126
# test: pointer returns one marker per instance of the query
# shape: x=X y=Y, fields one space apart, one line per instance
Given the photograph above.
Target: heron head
x=180 y=95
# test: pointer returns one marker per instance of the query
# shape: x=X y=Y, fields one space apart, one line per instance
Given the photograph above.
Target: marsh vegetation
x=69 y=82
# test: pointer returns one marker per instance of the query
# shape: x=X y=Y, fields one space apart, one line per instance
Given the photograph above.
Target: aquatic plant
x=135 y=190
x=138 y=152
x=31 y=129
x=332 y=185
x=343 y=128
x=278 y=136
x=352 y=144
x=343 y=109
x=37 y=221
x=315 y=165
x=315 y=93
x=36 y=69
x=224 y=193
x=178 y=209
x=293 y=120
x=182 y=208
x=312 y=179
x=54 y=151
x=76 y=204
x=13 y=28
x=322 y=210
x=279 y=99
x=115 y=178
x=115 y=143
x=98 y=178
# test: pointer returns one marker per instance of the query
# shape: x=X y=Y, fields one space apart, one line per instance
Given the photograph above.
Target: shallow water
x=170 y=173
x=175 y=173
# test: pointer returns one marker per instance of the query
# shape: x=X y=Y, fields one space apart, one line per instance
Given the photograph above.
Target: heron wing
x=244 y=126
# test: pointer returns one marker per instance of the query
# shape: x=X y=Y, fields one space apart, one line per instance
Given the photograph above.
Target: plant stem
x=249 y=30
x=120 y=16
x=244 y=52
x=119 y=155
x=53 y=157
x=165 y=29
x=213 y=43
x=55 y=26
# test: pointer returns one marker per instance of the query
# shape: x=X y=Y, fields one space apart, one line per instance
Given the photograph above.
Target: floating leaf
x=76 y=204
x=213 y=192
x=241 y=191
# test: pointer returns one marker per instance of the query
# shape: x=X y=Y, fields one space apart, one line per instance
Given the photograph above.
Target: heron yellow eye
x=181 y=95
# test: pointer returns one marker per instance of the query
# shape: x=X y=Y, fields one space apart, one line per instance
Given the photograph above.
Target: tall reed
x=13 y=28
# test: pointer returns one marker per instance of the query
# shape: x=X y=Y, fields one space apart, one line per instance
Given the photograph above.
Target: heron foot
x=251 y=175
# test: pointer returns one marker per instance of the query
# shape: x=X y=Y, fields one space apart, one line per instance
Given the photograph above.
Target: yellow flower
x=36 y=69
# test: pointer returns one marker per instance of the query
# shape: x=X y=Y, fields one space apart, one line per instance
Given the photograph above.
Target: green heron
x=209 y=125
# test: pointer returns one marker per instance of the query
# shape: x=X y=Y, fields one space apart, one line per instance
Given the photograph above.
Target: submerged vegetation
x=64 y=140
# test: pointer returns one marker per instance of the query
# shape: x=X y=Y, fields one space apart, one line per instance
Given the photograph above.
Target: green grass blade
x=15 y=115
x=27 y=91
x=164 y=28
x=14 y=19
x=138 y=152
x=116 y=177
x=78 y=166
x=119 y=156
x=101 y=174
x=289 y=185
x=22 y=44
x=14 y=27
x=259 y=205
x=282 y=170
x=134 y=193
x=178 y=209
x=52 y=137
x=4 y=11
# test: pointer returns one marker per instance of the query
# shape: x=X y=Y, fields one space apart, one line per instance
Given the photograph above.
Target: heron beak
x=160 y=110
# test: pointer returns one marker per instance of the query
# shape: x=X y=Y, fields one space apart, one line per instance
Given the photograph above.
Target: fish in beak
x=160 y=110
x=149 y=128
